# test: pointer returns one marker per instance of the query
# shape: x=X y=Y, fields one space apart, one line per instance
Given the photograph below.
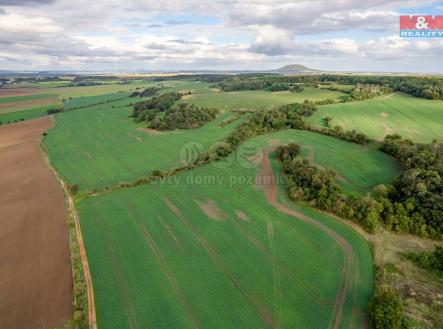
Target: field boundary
x=92 y=317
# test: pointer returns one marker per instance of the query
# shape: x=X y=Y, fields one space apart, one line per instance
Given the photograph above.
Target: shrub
x=73 y=189
x=387 y=311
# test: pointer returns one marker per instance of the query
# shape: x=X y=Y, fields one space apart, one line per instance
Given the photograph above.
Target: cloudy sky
x=131 y=35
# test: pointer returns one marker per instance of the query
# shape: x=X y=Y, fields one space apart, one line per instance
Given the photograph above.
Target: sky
x=148 y=35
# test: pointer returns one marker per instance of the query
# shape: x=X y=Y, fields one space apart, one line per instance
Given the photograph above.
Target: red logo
x=421 y=23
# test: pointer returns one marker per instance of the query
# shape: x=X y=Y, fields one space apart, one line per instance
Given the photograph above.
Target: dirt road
x=271 y=196
x=35 y=269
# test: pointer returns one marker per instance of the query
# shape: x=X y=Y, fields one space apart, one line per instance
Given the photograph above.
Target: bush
x=53 y=111
x=157 y=173
x=430 y=260
x=73 y=189
x=288 y=151
x=387 y=311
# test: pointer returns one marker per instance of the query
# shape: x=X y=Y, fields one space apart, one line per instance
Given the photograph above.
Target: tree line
x=424 y=87
x=254 y=83
x=414 y=202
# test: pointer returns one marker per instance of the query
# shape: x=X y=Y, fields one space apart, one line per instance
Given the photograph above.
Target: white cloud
x=18 y=23
x=272 y=41
x=247 y=33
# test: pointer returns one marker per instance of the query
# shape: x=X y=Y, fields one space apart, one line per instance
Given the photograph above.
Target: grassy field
x=85 y=101
x=14 y=99
x=100 y=145
x=358 y=168
x=25 y=115
x=81 y=91
x=337 y=86
x=207 y=250
x=27 y=102
x=259 y=99
x=43 y=96
x=418 y=119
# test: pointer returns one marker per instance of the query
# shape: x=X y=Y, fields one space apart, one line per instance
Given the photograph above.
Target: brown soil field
x=8 y=92
x=28 y=104
x=35 y=269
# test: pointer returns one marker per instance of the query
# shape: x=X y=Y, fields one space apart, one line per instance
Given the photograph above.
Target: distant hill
x=294 y=69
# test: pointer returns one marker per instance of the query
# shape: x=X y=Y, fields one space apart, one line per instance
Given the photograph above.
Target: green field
x=48 y=95
x=359 y=168
x=189 y=253
x=337 y=86
x=419 y=119
x=15 y=108
x=101 y=145
x=259 y=99
x=85 y=101
x=26 y=114
x=206 y=248
x=4 y=100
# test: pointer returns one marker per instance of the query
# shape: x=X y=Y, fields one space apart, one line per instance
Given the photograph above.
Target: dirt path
x=92 y=317
x=271 y=196
x=35 y=267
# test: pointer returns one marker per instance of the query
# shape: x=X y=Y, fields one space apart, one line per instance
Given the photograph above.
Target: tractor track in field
x=258 y=244
x=164 y=266
x=129 y=310
x=271 y=196
x=282 y=267
x=170 y=232
x=277 y=276
x=262 y=310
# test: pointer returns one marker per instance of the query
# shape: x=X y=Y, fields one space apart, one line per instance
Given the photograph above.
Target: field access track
x=35 y=270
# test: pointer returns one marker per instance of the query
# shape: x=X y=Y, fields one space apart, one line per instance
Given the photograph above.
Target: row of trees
x=424 y=87
x=257 y=83
x=338 y=132
x=148 y=92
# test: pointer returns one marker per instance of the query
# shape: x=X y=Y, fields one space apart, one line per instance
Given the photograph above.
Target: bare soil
x=149 y=131
x=211 y=209
x=27 y=104
x=9 y=92
x=35 y=269
x=243 y=216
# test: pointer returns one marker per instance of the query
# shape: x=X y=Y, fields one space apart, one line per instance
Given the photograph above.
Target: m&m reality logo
x=421 y=26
